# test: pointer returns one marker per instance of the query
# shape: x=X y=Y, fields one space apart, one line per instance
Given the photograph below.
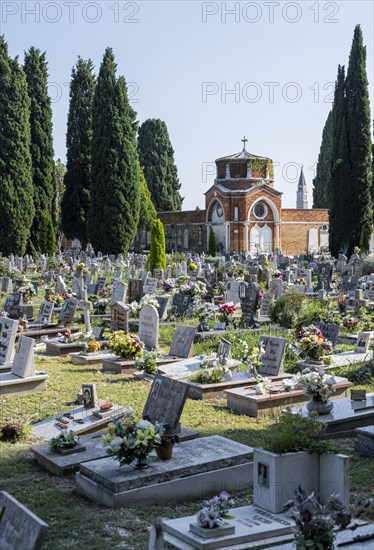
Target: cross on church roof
x=244 y=140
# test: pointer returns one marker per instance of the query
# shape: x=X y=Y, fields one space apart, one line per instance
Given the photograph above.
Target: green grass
x=75 y=522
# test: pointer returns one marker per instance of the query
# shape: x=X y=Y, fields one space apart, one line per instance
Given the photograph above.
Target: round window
x=260 y=210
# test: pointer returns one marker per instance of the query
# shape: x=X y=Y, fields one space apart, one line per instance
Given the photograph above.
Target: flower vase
x=142 y=462
x=321 y=407
x=165 y=452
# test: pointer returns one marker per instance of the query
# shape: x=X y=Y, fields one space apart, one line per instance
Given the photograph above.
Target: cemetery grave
x=94 y=479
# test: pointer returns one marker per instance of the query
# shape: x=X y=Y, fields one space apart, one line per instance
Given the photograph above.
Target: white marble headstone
x=23 y=364
x=149 y=326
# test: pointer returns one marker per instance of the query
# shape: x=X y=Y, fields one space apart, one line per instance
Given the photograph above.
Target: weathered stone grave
x=119 y=293
x=119 y=317
x=149 y=326
x=181 y=302
x=248 y=293
x=67 y=312
x=8 y=332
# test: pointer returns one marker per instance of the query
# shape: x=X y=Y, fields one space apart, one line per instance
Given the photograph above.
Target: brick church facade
x=245 y=211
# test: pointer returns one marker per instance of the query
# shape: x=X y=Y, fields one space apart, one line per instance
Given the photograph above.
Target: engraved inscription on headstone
x=181 y=301
x=329 y=330
x=182 y=343
x=8 y=331
x=148 y=326
x=119 y=317
x=68 y=310
x=23 y=364
x=45 y=312
x=165 y=402
x=272 y=359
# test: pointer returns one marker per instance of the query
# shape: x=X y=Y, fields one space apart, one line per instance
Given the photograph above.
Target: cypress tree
x=16 y=189
x=322 y=181
x=212 y=245
x=60 y=171
x=35 y=67
x=76 y=199
x=156 y=156
x=341 y=184
x=157 y=253
x=115 y=188
x=147 y=210
x=359 y=140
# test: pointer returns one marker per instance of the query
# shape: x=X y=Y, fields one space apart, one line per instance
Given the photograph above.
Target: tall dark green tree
x=60 y=171
x=41 y=148
x=156 y=156
x=76 y=199
x=147 y=211
x=322 y=181
x=16 y=189
x=341 y=184
x=115 y=188
x=359 y=140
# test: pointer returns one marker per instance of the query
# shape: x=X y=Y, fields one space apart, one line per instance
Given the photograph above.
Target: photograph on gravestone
x=272 y=358
x=89 y=396
x=182 y=343
x=165 y=402
x=363 y=341
x=23 y=364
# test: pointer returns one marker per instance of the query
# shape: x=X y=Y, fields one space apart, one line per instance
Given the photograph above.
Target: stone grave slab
x=272 y=359
x=163 y=302
x=346 y=416
x=8 y=332
x=165 y=403
x=81 y=358
x=149 y=326
x=246 y=401
x=67 y=312
x=54 y=347
x=253 y=527
x=364 y=443
x=20 y=529
x=182 y=343
x=61 y=465
x=119 y=317
x=80 y=419
x=197 y=469
x=329 y=330
x=348 y=358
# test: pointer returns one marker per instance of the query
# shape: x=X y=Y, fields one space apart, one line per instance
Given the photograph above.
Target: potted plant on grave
x=148 y=363
x=313 y=343
x=211 y=519
x=165 y=448
x=351 y=323
x=66 y=442
x=28 y=292
x=317 y=524
x=319 y=386
x=290 y=457
x=125 y=345
x=211 y=372
x=92 y=346
x=129 y=440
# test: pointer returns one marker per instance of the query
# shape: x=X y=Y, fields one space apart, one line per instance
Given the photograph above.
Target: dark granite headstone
x=93 y=289
x=324 y=275
x=181 y=301
x=19 y=528
x=163 y=302
x=248 y=294
x=329 y=330
x=135 y=289
x=68 y=310
x=182 y=343
x=165 y=403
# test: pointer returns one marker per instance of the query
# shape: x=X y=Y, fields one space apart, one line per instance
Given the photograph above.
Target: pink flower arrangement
x=226 y=311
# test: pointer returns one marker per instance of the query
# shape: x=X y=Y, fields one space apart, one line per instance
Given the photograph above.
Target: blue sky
x=213 y=71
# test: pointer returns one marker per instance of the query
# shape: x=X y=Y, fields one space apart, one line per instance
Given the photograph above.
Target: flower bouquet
x=300 y=281
x=92 y=346
x=316 y=384
x=125 y=345
x=210 y=520
x=129 y=440
x=351 y=323
x=66 y=338
x=66 y=442
x=226 y=312
x=313 y=343
x=56 y=298
x=28 y=292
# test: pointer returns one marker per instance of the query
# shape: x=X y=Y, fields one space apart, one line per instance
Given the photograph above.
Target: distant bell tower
x=302 y=192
